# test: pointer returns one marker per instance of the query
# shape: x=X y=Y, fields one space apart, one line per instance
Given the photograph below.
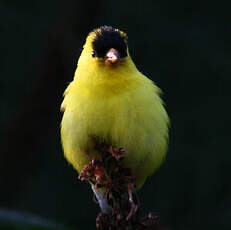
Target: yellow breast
x=124 y=111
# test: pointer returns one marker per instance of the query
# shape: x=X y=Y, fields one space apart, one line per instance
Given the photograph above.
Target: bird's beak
x=112 y=57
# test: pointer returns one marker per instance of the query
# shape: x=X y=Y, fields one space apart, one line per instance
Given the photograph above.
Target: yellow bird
x=110 y=101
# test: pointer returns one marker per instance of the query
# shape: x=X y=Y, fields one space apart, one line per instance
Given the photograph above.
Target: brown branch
x=118 y=184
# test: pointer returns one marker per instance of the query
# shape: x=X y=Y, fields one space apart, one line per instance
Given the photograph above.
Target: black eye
x=93 y=53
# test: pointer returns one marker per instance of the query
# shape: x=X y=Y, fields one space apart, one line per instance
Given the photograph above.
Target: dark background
x=184 y=46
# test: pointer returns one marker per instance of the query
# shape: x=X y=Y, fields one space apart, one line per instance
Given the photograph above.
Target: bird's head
x=105 y=48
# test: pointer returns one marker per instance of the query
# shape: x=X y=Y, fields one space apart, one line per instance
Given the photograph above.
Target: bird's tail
x=102 y=200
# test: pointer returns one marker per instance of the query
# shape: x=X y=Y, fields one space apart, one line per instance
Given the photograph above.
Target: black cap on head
x=108 y=37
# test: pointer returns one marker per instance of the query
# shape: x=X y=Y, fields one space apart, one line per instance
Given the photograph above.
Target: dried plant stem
x=114 y=187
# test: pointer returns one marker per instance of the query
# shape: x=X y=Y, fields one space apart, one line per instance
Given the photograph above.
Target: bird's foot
x=134 y=207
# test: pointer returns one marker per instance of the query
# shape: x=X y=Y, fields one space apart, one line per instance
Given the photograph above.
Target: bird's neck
x=107 y=81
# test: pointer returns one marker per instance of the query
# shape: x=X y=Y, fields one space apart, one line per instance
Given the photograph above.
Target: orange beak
x=112 y=57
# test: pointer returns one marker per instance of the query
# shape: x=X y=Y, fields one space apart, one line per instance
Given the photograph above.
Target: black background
x=184 y=46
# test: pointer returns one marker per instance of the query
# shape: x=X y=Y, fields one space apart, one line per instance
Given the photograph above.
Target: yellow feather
x=117 y=105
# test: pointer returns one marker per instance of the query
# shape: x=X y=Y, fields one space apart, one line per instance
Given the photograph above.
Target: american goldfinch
x=111 y=102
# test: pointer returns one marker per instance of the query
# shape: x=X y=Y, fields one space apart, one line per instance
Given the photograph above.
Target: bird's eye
x=93 y=53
